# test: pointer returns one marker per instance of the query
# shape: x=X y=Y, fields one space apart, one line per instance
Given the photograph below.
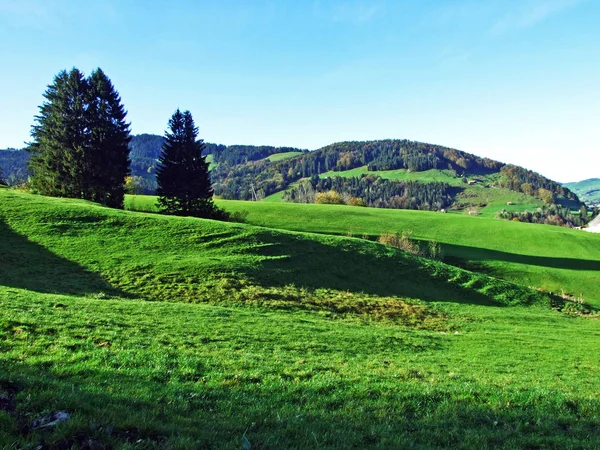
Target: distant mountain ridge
x=587 y=190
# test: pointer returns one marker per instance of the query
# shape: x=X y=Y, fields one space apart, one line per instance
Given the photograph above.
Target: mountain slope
x=587 y=190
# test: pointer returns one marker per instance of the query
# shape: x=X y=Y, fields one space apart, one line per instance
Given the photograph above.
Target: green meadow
x=168 y=332
x=282 y=156
x=542 y=256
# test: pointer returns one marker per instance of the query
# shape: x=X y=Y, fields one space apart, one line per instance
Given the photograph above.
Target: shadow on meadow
x=460 y=252
x=27 y=265
x=357 y=266
x=167 y=413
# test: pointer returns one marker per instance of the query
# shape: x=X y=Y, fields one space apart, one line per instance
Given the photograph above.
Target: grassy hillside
x=289 y=340
x=587 y=190
x=549 y=257
x=282 y=156
x=185 y=259
x=552 y=258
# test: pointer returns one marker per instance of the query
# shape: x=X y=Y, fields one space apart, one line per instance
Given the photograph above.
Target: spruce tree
x=80 y=140
x=60 y=137
x=184 y=186
x=107 y=164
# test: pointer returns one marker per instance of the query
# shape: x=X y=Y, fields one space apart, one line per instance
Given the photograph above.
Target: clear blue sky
x=514 y=80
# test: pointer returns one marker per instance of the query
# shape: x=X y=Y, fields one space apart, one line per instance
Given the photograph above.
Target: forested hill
x=248 y=172
x=264 y=177
x=13 y=166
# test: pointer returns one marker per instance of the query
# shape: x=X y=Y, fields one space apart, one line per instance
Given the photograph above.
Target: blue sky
x=517 y=81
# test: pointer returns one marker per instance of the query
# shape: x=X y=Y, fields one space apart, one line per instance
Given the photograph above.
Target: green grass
x=552 y=258
x=282 y=156
x=186 y=259
x=169 y=332
x=210 y=159
x=543 y=256
x=445 y=176
x=488 y=201
x=137 y=374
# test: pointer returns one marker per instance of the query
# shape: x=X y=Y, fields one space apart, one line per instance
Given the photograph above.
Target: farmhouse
x=594 y=226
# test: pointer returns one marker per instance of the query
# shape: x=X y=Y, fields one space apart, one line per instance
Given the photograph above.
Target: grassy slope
x=445 y=176
x=135 y=374
x=554 y=258
x=186 y=259
x=210 y=159
x=281 y=156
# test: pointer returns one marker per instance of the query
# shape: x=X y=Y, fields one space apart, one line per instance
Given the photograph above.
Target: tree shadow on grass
x=459 y=253
x=359 y=266
x=28 y=265
x=287 y=415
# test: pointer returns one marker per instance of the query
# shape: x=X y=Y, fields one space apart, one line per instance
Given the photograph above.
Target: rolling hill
x=153 y=331
x=545 y=257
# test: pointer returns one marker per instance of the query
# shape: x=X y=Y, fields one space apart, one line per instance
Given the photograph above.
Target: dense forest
x=372 y=190
x=13 y=164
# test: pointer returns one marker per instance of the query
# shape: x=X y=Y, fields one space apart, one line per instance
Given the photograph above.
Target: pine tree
x=80 y=140
x=184 y=186
x=60 y=137
x=108 y=158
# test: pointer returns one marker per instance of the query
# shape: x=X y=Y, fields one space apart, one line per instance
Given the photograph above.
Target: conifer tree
x=60 y=137
x=108 y=157
x=80 y=140
x=184 y=186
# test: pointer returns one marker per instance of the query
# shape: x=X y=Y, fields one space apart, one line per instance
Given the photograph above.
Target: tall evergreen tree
x=107 y=164
x=60 y=137
x=80 y=140
x=184 y=186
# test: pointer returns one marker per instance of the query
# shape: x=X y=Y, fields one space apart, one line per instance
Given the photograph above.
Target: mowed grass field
x=168 y=332
x=542 y=256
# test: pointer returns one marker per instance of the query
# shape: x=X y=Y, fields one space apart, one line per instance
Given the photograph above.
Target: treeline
x=374 y=191
x=13 y=166
x=531 y=183
x=394 y=154
x=552 y=215
x=232 y=155
x=145 y=150
x=239 y=182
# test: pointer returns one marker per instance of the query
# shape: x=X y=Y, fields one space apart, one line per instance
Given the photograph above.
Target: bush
x=402 y=241
x=329 y=198
x=406 y=242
